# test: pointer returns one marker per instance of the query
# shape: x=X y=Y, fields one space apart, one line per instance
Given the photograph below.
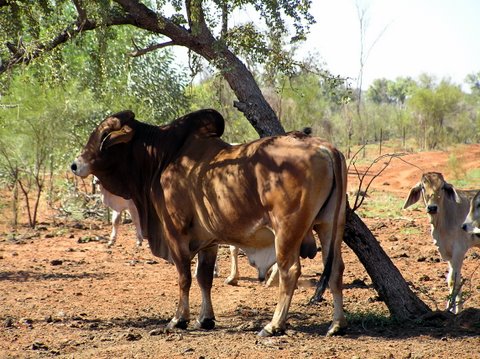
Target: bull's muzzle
x=432 y=209
x=80 y=168
x=471 y=228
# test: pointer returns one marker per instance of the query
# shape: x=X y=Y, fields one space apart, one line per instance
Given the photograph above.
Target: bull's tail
x=324 y=278
x=337 y=193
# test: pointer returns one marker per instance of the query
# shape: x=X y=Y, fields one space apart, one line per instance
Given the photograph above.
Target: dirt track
x=65 y=294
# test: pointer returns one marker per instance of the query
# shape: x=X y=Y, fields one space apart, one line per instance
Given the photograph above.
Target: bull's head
x=100 y=148
x=434 y=190
x=104 y=156
x=472 y=222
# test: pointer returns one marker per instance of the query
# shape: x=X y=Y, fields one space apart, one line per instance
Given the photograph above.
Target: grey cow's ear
x=414 y=195
x=123 y=135
x=451 y=193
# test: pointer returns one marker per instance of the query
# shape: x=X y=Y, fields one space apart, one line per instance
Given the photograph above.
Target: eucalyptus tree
x=436 y=108
x=37 y=28
x=202 y=27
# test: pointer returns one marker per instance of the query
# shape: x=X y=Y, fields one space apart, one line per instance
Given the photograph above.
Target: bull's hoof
x=266 y=332
x=272 y=282
x=179 y=324
x=231 y=281
x=336 y=329
x=207 y=324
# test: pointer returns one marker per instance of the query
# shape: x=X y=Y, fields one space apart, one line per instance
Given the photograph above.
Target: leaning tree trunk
x=392 y=288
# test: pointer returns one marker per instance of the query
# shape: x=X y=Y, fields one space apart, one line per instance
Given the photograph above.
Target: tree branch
x=139 y=52
x=360 y=197
x=147 y=19
x=82 y=14
x=20 y=54
x=196 y=18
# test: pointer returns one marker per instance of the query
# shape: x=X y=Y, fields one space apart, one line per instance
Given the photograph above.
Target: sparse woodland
x=65 y=65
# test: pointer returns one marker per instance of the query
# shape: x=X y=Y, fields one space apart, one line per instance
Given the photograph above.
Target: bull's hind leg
x=339 y=322
x=289 y=269
x=234 y=273
x=136 y=221
x=116 y=218
x=206 y=264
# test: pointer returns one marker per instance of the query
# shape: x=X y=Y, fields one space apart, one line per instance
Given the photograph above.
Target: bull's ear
x=414 y=195
x=451 y=193
x=123 y=135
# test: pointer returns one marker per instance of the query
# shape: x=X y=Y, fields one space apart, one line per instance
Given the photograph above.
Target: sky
x=437 y=37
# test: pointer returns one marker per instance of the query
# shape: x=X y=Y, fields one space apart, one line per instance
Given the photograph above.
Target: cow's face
x=433 y=189
x=472 y=222
x=103 y=152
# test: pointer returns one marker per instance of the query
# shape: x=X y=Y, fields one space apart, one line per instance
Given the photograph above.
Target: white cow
x=119 y=204
x=232 y=279
x=447 y=211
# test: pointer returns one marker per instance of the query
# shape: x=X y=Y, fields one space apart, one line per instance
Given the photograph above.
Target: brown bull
x=194 y=191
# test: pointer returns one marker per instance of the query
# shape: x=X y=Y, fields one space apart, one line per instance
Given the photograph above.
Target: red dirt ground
x=64 y=294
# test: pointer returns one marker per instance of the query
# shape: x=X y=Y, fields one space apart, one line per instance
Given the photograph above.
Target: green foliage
x=370 y=320
x=435 y=113
x=380 y=205
x=470 y=179
x=307 y=96
x=473 y=80
x=299 y=98
x=48 y=109
x=383 y=91
x=274 y=14
x=248 y=41
x=302 y=93
x=215 y=93
x=435 y=108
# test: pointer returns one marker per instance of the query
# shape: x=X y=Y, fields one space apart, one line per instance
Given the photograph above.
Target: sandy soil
x=63 y=293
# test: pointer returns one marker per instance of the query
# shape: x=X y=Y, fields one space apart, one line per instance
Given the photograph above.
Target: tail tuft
x=324 y=278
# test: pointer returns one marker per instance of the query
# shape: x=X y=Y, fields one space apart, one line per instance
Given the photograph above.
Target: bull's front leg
x=454 y=280
x=182 y=262
x=205 y=272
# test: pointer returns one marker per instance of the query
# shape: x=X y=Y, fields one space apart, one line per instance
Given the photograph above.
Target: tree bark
x=392 y=288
